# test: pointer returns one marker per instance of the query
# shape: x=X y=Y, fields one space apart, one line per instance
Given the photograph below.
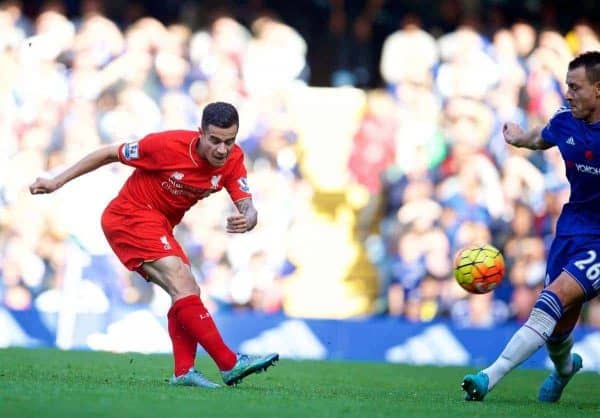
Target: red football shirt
x=171 y=177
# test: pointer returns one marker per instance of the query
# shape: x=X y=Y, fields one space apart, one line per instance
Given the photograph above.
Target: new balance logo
x=571 y=141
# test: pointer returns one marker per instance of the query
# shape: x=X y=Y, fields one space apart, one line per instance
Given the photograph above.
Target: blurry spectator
x=275 y=57
x=374 y=146
x=16 y=25
x=582 y=38
x=351 y=27
x=466 y=69
x=525 y=38
x=505 y=54
x=482 y=311
x=408 y=54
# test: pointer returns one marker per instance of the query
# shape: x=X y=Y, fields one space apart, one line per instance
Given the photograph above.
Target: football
x=479 y=269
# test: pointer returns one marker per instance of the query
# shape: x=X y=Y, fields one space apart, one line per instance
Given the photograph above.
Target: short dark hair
x=219 y=114
x=591 y=62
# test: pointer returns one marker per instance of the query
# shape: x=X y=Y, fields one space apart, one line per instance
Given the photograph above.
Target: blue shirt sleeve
x=548 y=134
x=551 y=133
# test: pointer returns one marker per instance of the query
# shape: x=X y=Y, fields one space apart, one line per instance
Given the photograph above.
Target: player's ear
x=200 y=132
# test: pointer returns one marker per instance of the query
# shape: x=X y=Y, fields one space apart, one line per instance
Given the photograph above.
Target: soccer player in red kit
x=173 y=170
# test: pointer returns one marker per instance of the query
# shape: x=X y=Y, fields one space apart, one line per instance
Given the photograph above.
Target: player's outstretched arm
x=88 y=163
x=516 y=136
x=245 y=220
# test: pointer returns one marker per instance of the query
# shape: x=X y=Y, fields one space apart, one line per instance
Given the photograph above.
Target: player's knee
x=186 y=285
x=568 y=290
x=182 y=282
x=184 y=289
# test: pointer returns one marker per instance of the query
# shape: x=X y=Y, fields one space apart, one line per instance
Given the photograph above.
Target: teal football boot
x=554 y=384
x=247 y=365
x=193 y=378
x=475 y=386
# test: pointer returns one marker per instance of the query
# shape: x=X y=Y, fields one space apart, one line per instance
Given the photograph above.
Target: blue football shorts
x=578 y=255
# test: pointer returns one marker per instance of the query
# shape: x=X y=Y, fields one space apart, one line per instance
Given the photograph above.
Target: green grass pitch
x=52 y=383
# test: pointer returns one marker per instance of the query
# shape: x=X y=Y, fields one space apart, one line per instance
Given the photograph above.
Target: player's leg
x=184 y=346
x=560 y=343
x=174 y=275
x=566 y=364
x=548 y=310
x=583 y=266
x=564 y=292
x=148 y=236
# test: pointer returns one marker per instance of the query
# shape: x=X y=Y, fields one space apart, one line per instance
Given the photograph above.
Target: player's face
x=583 y=96
x=216 y=144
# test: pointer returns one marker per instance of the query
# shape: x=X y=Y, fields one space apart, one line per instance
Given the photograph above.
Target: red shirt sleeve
x=236 y=182
x=148 y=153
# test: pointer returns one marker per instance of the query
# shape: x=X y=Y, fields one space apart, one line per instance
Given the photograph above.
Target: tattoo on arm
x=243 y=205
x=246 y=208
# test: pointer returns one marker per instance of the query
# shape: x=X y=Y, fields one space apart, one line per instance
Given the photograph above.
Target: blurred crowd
x=449 y=180
x=69 y=86
x=427 y=152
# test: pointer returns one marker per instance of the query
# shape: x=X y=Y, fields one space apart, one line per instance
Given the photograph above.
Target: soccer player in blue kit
x=573 y=266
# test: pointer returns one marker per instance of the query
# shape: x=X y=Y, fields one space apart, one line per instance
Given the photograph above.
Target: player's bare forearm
x=88 y=163
x=246 y=207
x=531 y=139
x=245 y=220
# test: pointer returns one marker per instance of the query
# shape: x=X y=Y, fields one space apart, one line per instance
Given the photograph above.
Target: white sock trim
x=541 y=323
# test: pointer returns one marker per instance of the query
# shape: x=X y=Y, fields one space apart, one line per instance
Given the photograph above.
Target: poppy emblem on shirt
x=569 y=164
x=589 y=155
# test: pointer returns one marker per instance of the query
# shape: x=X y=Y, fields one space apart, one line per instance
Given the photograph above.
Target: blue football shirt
x=579 y=145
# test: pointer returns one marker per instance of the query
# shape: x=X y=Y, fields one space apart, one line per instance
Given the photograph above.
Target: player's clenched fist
x=512 y=133
x=41 y=186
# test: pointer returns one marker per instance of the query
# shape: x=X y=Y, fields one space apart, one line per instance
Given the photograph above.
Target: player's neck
x=594 y=117
x=198 y=149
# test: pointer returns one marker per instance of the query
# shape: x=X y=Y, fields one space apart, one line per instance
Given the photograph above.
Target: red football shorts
x=138 y=235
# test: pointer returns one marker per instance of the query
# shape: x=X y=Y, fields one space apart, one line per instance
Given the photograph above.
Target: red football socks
x=193 y=317
x=184 y=346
